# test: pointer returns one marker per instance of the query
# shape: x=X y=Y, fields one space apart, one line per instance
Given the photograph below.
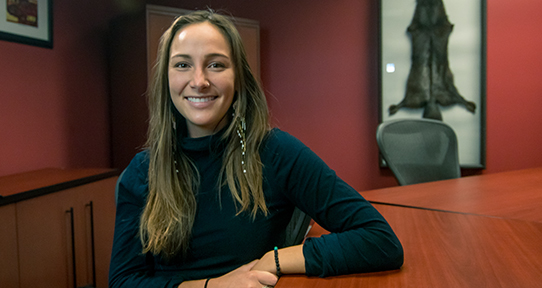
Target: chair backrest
x=297 y=228
x=419 y=150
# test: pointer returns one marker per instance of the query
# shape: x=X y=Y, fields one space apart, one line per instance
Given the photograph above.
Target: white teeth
x=200 y=99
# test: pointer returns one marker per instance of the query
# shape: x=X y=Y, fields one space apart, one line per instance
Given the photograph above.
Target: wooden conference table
x=477 y=231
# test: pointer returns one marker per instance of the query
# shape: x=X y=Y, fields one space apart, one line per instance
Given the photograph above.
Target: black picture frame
x=27 y=22
x=466 y=59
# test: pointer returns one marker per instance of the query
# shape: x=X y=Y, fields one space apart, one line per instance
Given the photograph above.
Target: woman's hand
x=266 y=263
x=244 y=276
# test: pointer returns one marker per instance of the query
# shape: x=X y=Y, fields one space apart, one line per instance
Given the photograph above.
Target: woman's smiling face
x=201 y=78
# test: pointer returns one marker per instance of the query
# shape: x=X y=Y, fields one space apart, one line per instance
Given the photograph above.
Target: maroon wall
x=54 y=102
x=319 y=68
x=514 y=85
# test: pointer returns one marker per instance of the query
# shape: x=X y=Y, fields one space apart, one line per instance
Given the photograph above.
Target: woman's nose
x=199 y=80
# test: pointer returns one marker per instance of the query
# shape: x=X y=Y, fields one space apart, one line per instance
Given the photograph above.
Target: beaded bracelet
x=206 y=282
x=277 y=261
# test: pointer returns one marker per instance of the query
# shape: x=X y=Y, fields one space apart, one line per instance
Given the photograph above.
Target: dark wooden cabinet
x=9 y=270
x=59 y=238
x=133 y=47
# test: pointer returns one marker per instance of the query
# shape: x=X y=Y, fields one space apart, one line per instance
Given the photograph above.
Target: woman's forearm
x=291 y=261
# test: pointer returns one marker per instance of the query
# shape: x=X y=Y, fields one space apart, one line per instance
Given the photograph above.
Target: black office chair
x=297 y=228
x=419 y=150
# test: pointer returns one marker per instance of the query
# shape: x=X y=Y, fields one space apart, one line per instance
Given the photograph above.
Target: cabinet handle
x=74 y=270
x=92 y=246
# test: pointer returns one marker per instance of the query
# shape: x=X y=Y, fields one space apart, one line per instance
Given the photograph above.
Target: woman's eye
x=182 y=65
x=216 y=65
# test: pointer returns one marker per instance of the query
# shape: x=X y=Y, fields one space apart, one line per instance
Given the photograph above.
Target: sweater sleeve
x=129 y=266
x=360 y=241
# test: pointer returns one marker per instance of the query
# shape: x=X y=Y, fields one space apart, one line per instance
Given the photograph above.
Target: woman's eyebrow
x=212 y=55
x=181 y=56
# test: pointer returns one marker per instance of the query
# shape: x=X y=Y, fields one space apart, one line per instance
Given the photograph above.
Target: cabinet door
x=45 y=241
x=9 y=268
x=99 y=214
x=55 y=236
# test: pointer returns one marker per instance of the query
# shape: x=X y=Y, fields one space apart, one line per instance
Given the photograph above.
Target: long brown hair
x=168 y=217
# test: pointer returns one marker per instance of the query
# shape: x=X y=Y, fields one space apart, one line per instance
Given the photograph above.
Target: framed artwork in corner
x=27 y=21
x=433 y=65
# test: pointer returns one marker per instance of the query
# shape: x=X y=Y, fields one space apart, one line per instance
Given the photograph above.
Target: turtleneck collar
x=212 y=142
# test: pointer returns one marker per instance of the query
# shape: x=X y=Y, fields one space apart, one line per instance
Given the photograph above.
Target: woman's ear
x=235 y=102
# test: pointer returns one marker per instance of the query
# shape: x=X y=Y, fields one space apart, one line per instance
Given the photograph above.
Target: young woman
x=208 y=200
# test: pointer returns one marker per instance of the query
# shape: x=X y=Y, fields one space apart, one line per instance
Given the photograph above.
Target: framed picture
x=27 y=21
x=432 y=65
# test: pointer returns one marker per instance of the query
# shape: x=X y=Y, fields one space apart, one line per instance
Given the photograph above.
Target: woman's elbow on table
x=396 y=256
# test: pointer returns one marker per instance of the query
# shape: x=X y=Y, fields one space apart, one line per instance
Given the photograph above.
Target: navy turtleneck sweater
x=360 y=240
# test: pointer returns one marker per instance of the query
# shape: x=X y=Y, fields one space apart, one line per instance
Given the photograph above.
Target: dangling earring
x=174 y=143
x=241 y=132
